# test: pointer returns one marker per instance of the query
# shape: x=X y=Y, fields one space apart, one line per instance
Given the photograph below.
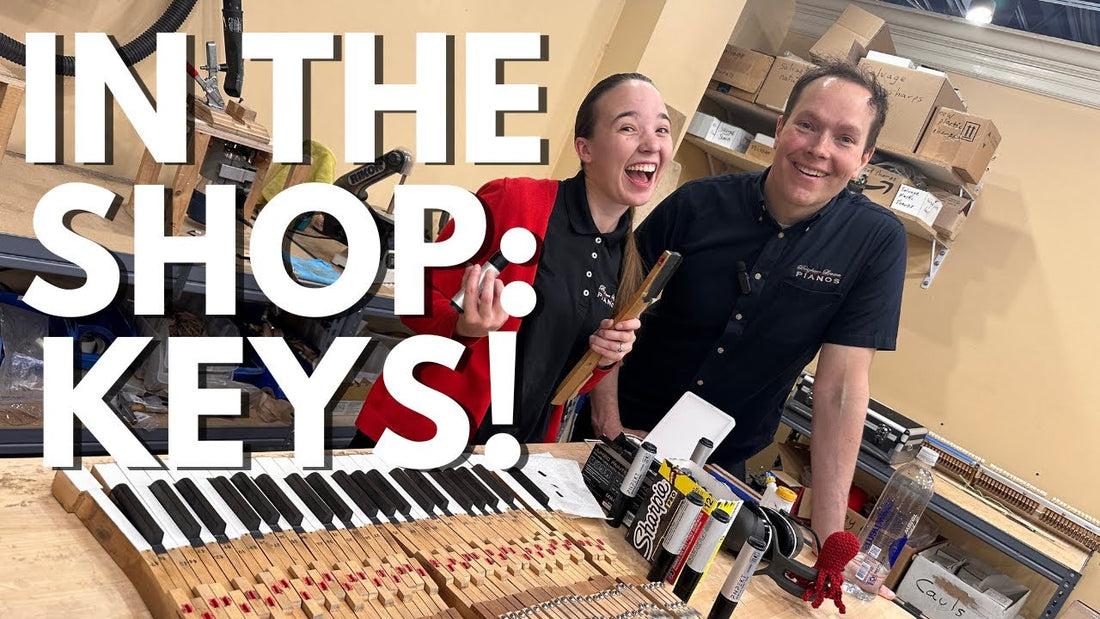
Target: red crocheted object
x=838 y=550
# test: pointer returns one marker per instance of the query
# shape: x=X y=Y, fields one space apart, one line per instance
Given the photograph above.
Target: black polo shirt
x=575 y=285
x=835 y=277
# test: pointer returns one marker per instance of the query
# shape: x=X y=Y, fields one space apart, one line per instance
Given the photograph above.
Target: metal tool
x=397 y=161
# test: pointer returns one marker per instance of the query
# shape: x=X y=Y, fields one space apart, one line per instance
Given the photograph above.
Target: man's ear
x=779 y=125
x=865 y=158
x=584 y=152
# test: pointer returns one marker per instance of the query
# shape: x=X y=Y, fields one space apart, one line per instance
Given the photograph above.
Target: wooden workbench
x=51 y=566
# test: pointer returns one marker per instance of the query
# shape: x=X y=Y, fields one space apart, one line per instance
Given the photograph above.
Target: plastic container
x=890 y=524
x=96 y=332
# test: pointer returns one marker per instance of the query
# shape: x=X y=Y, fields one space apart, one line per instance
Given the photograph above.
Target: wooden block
x=238 y=111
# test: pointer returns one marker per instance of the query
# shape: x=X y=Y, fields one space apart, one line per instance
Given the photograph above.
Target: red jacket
x=511 y=202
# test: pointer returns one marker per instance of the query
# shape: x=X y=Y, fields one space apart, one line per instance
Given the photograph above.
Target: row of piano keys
x=360 y=540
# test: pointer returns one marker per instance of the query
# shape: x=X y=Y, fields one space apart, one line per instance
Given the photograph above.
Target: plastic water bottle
x=891 y=522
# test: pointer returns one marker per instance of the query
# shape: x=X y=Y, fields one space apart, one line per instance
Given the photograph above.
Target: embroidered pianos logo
x=817 y=275
x=607 y=297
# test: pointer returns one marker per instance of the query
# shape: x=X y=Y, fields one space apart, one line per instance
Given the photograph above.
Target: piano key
x=496 y=485
x=207 y=514
x=533 y=490
x=472 y=482
x=280 y=501
x=370 y=466
x=356 y=494
x=449 y=482
x=238 y=505
x=275 y=472
x=234 y=528
x=83 y=481
x=176 y=510
x=340 y=508
x=320 y=510
x=113 y=475
x=136 y=514
x=259 y=502
x=415 y=489
x=440 y=486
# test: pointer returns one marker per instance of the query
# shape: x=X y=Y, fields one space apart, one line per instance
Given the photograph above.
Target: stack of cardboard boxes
x=945 y=583
x=927 y=120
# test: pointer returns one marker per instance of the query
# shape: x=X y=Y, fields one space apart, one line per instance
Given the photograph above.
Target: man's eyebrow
x=843 y=126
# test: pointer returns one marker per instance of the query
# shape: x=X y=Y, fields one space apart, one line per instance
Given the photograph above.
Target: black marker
x=643 y=459
x=714 y=531
x=702 y=451
x=496 y=263
x=676 y=536
x=738 y=580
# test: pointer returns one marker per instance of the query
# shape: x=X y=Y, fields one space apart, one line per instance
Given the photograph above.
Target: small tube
x=702 y=451
x=675 y=536
x=496 y=263
x=738 y=579
x=643 y=459
x=714 y=531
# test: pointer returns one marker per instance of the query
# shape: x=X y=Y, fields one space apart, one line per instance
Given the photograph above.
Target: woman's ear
x=584 y=152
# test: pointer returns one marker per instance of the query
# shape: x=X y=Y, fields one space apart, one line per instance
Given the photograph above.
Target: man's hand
x=613 y=341
x=482 y=312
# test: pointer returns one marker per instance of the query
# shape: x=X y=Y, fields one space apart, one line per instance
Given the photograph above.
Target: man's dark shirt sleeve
x=872 y=309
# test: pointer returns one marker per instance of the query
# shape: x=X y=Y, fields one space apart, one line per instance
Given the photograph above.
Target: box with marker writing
x=605 y=468
x=678 y=478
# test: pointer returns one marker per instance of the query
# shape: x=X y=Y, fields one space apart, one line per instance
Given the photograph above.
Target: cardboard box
x=703 y=125
x=919 y=204
x=781 y=78
x=933 y=584
x=882 y=185
x=898 y=61
x=743 y=71
x=955 y=211
x=1079 y=610
x=914 y=97
x=733 y=138
x=760 y=152
x=901 y=564
x=963 y=141
x=854 y=33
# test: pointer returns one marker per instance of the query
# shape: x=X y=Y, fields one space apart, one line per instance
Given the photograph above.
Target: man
x=778 y=266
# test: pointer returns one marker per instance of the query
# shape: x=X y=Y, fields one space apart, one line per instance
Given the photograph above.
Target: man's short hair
x=848 y=72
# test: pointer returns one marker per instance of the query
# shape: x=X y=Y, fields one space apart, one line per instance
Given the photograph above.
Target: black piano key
x=420 y=478
x=135 y=512
x=313 y=502
x=281 y=501
x=257 y=500
x=530 y=487
x=487 y=496
x=356 y=494
x=175 y=509
x=209 y=516
x=409 y=486
x=385 y=505
x=383 y=484
x=248 y=517
x=498 y=487
x=340 y=509
x=460 y=494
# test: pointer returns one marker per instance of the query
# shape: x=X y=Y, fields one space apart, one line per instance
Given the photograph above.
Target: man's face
x=820 y=147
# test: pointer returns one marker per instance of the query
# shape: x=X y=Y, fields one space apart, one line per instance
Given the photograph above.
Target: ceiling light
x=981 y=11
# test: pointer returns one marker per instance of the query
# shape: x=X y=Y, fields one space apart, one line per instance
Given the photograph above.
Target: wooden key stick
x=647 y=293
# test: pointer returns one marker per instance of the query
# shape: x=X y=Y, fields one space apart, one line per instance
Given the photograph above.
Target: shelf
x=721 y=153
x=1058 y=563
x=762 y=117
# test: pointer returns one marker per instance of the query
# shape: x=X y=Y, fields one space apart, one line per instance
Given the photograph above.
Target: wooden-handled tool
x=647 y=293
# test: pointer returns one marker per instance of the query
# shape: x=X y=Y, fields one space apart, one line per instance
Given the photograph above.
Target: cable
x=133 y=52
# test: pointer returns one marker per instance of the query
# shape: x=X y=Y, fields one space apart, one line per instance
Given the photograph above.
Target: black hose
x=133 y=52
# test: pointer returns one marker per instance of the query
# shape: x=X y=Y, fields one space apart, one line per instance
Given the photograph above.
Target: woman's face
x=630 y=144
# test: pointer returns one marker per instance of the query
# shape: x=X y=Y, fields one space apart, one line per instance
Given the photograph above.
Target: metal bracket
x=937 y=259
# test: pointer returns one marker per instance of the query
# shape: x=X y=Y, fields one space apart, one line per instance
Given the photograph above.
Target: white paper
x=560 y=479
x=919 y=204
x=690 y=419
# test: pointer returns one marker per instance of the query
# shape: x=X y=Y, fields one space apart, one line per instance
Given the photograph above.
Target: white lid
x=928 y=456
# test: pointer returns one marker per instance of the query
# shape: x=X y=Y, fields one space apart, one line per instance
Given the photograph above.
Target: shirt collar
x=580 y=214
x=760 y=209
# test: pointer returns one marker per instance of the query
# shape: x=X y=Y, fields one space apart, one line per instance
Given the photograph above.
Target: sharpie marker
x=738 y=580
x=673 y=543
x=714 y=531
x=702 y=451
x=495 y=264
x=643 y=459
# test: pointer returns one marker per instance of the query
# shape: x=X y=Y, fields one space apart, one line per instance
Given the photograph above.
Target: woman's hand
x=613 y=341
x=482 y=312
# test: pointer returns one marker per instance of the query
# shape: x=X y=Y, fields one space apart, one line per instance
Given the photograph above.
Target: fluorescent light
x=981 y=11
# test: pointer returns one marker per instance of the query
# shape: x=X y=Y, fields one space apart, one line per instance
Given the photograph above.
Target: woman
x=586 y=260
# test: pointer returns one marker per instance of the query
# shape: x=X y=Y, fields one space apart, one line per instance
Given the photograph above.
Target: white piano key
x=162 y=475
x=267 y=465
x=83 y=481
x=139 y=483
x=234 y=529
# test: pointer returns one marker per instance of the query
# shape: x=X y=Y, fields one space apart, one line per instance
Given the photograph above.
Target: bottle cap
x=786 y=494
x=928 y=456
